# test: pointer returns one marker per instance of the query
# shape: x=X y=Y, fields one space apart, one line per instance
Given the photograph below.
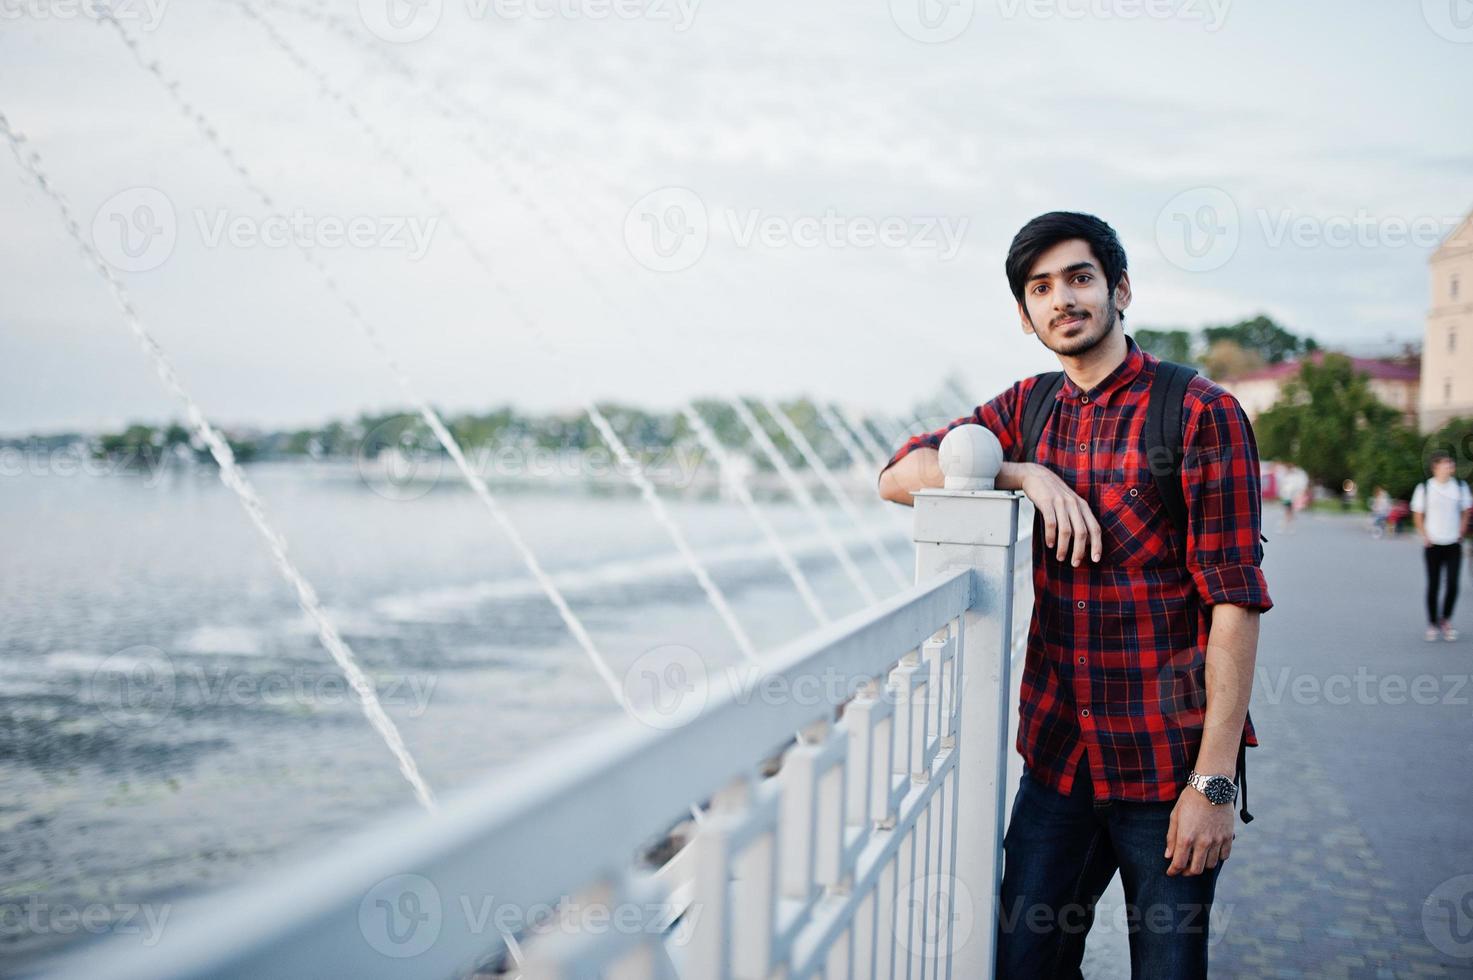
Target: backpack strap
x=1036 y=410
x=1163 y=436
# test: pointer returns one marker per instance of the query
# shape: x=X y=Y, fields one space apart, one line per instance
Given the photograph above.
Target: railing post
x=971 y=524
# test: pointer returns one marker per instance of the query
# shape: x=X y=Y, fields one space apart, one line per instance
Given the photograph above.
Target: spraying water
x=431 y=418
x=231 y=475
x=817 y=465
x=856 y=453
x=804 y=498
x=592 y=278
x=631 y=469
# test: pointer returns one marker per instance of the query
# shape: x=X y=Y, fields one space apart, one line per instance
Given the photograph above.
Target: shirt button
x=1084 y=447
x=1081 y=660
x=1134 y=492
x=1084 y=398
x=1084 y=712
x=1081 y=603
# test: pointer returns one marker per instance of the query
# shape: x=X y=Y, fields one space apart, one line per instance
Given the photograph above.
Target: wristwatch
x=1217 y=789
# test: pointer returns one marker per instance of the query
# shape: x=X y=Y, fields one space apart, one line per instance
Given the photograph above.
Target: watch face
x=1220 y=789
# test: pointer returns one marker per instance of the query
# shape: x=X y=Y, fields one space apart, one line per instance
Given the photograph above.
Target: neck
x=1094 y=365
x=1442 y=479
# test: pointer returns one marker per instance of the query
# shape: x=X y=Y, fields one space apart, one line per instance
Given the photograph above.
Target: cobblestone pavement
x=1359 y=862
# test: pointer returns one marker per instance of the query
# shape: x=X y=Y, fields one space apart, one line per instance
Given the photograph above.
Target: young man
x=1440 y=509
x=1143 y=637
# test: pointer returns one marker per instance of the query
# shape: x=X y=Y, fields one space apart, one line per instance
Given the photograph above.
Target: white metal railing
x=832 y=853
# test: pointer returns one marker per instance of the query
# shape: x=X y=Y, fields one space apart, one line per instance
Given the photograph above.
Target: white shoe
x=1448 y=633
x=1432 y=635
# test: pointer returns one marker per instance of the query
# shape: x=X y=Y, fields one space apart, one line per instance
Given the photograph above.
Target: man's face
x=1066 y=302
x=1443 y=469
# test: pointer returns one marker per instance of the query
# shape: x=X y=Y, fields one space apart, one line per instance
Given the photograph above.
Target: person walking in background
x=1440 y=509
x=1380 y=511
x=1293 y=484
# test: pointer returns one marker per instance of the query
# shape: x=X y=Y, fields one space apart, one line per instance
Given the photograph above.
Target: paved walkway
x=1359 y=862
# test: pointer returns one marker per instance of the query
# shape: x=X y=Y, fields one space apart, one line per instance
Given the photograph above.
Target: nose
x=1063 y=298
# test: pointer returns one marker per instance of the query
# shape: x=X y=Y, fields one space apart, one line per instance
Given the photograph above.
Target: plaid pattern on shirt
x=1116 y=660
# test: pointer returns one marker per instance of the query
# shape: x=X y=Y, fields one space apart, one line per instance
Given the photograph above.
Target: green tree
x=1262 y=334
x=1169 y=345
x=1329 y=423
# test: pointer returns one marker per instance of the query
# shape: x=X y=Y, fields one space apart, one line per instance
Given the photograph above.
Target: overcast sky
x=650 y=199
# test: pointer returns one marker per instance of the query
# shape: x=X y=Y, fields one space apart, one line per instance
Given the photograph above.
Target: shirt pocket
x=1137 y=529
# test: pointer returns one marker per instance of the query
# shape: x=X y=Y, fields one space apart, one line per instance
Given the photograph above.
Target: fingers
x=1066 y=528
x=1081 y=530
x=1096 y=534
x=1174 y=852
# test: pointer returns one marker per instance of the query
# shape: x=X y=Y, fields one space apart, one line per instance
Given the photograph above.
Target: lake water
x=169 y=722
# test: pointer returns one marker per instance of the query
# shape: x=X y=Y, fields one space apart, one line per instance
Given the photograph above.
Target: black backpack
x=1162 y=435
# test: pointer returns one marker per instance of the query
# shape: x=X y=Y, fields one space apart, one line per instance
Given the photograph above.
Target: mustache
x=1079 y=315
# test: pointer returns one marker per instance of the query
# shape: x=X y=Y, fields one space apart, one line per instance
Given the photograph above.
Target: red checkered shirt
x=1116 y=661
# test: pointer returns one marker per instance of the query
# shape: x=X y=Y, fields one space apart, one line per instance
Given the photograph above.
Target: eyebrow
x=1076 y=267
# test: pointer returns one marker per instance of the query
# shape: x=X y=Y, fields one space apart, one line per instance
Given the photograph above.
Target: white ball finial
x=971 y=457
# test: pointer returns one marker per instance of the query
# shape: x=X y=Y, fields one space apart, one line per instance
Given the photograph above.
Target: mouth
x=1073 y=321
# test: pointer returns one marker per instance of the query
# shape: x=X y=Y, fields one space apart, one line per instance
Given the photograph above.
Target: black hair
x=1048 y=230
x=1438 y=455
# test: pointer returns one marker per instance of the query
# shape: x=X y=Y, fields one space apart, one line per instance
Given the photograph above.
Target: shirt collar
x=1124 y=373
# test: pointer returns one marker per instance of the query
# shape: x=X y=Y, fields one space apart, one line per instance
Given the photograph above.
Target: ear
x=1023 y=316
x=1122 y=292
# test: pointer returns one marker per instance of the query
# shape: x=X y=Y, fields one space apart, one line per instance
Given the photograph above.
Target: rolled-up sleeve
x=1220 y=482
x=999 y=415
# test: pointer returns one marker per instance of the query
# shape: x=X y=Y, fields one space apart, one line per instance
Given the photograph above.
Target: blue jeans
x=1061 y=853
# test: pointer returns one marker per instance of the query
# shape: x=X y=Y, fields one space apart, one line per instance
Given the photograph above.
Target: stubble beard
x=1078 y=346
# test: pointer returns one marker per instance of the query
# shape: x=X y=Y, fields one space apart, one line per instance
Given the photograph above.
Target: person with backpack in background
x=1133 y=716
x=1440 y=510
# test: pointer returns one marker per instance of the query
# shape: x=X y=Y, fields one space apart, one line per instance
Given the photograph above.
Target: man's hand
x=1068 y=526
x=1199 y=835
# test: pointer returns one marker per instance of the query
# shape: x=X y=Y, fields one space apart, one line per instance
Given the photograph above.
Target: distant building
x=1447 y=357
x=1394 y=382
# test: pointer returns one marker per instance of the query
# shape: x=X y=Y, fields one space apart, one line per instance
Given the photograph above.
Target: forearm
x=919 y=469
x=1232 y=651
